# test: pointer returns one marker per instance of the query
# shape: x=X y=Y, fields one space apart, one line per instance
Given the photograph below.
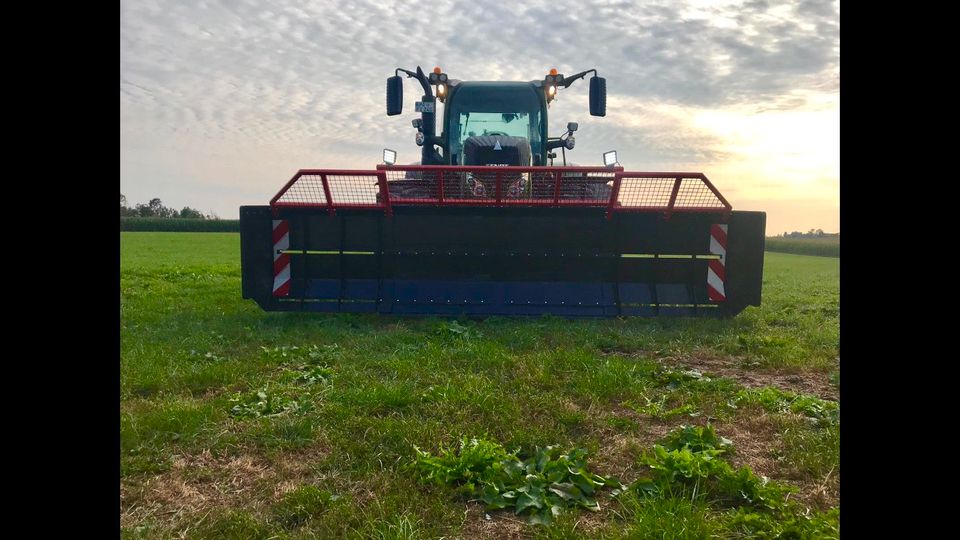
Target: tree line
x=155 y=208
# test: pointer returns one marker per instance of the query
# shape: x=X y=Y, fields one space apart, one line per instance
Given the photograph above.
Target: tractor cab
x=490 y=123
x=495 y=123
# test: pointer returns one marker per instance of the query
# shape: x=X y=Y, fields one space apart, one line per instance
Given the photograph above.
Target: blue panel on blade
x=360 y=289
x=525 y=292
x=562 y=293
x=358 y=307
x=322 y=288
x=324 y=307
x=673 y=293
x=670 y=295
x=448 y=292
x=635 y=293
x=573 y=293
x=639 y=311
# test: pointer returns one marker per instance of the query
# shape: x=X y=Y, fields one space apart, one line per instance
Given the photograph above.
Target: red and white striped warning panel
x=716 y=267
x=281 y=261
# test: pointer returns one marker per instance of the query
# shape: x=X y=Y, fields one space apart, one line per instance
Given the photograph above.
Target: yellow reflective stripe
x=308 y=252
x=666 y=256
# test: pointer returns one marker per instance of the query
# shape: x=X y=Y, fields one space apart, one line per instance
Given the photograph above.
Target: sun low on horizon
x=221 y=102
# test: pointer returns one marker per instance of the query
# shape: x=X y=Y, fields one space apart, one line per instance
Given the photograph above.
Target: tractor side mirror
x=395 y=95
x=572 y=126
x=598 y=96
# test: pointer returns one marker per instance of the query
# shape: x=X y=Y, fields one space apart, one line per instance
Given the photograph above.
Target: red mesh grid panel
x=305 y=190
x=413 y=186
x=645 y=192
x=331 y=188
x=484 y=186
x=538 y=186
x=472 y=187
x=586 y=188
x=694 y=193
x=353 y=189
x=668 y=192
x=455 y=187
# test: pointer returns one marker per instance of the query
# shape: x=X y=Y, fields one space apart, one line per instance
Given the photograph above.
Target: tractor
x=487 y=223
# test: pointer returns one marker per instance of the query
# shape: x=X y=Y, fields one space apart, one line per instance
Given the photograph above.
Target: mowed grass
x=323 y=450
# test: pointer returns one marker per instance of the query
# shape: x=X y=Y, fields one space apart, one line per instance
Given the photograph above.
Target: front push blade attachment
x=573 y=256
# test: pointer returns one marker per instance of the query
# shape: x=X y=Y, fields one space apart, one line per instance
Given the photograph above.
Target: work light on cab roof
x=439 y=79
x=486 y=223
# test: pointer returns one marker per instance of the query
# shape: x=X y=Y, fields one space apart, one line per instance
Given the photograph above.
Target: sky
x=222 y=102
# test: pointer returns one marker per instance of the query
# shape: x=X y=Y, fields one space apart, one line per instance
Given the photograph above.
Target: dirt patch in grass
x=808 y=382
x=194 y=484
x=505 y=524
x=756 y=438
x=589 y=524
x=823 y=493
x=618 y=452
x=197 y=484
x=502 y=524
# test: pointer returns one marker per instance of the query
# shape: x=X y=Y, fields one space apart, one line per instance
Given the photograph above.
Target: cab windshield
x=494 y=110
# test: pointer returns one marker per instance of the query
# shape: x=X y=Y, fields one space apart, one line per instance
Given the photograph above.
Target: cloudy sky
x=222 y=101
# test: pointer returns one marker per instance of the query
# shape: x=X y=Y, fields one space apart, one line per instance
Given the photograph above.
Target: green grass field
x=236 y=423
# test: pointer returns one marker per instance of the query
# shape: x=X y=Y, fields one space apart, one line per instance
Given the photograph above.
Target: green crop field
x=236 y=423
x=179 y=224
x=828 y=246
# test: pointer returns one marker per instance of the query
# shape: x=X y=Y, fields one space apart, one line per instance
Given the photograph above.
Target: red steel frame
x=329 y=204
x=612 y=205
x=670 y=208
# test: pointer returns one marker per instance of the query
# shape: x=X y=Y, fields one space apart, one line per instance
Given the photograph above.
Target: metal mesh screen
x=479 y=186
x=306 y=190
x=694 y=193
x=353 y=190
x=645 y=192
x=346 y=189
x=417 y=186
x=537 y=186
x=594 y=188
